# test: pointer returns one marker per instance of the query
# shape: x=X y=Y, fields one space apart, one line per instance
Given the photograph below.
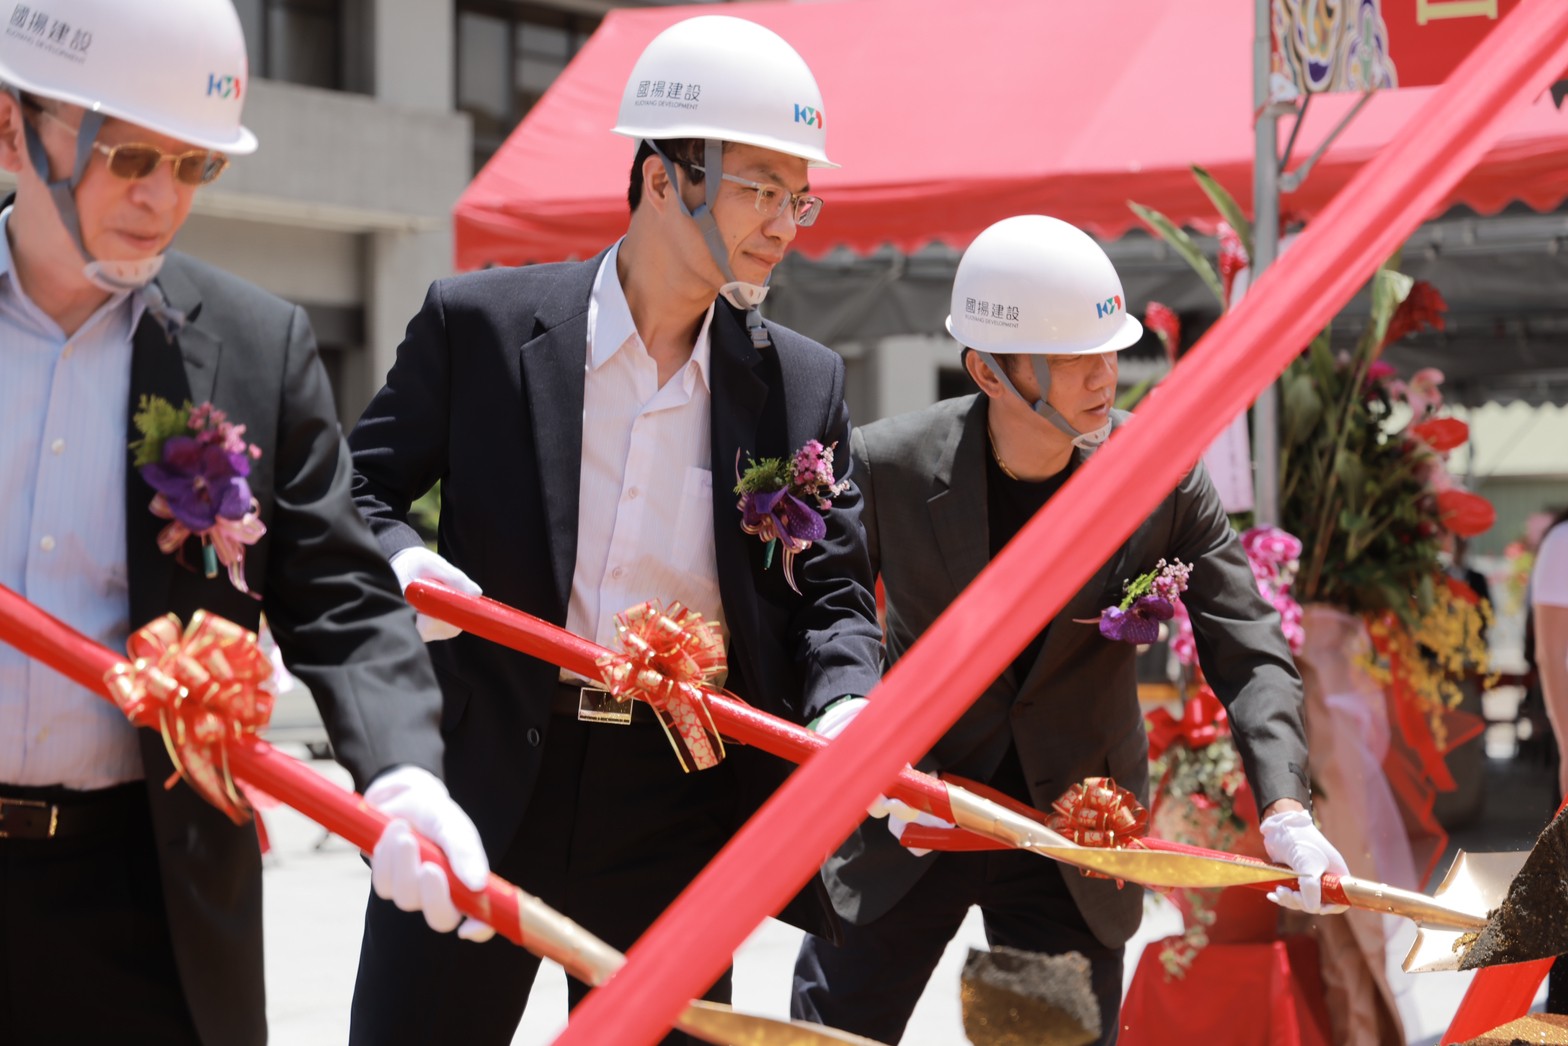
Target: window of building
x=304 y=41
x=507 y=55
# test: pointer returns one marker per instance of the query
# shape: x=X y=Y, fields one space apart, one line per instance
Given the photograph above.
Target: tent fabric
x=947 y=117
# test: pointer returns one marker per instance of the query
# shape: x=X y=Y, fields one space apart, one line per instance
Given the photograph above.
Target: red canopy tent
x=947 y=117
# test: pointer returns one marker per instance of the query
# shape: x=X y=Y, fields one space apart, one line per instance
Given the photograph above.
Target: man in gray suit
x=1040 y=311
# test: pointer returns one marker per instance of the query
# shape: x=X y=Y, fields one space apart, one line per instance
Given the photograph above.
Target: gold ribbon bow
x=202 y=690
x=666 y=657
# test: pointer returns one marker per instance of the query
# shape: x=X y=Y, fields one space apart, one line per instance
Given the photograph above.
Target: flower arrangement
x=197 y=461
x=1149 y=599
x=781 y=501
x=1370 y=495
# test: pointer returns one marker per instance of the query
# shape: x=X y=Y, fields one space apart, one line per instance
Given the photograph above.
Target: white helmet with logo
x=1038 y=285
x=177 y=67
x=720 y=77
x=1041 y=287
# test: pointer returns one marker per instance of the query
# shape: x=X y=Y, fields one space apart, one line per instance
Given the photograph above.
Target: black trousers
x=85 y=954
x=871 y=984
x=613 y=832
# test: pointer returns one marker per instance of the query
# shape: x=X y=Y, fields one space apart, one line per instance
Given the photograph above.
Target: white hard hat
x=1033 y=284
x=177 y=67
x=724 y=78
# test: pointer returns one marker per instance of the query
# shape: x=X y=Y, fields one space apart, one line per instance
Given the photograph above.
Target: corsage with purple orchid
x=197 y=460
x=1150 y=599
x=777 y=497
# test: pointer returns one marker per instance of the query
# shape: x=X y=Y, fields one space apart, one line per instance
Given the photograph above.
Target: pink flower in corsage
x=1150 y=599
x=777 y=496
x=198 y=461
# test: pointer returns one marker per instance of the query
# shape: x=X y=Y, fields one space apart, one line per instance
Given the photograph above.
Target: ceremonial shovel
x=1474 y=885
x=521 y=918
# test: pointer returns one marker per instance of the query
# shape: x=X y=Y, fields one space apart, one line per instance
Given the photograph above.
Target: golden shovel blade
x=1157 y=868
x=716 y=1022
x=1475 y=883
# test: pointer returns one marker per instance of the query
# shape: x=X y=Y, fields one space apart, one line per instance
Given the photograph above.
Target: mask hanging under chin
x=744 y=295
x=118 y=276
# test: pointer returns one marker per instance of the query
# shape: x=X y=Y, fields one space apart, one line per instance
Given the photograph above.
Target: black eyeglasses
x=772 y=199
x=136 y=160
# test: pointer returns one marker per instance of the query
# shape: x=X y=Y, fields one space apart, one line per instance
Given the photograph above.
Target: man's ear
x=982 y=375
x=13 y=139
x=656 y=182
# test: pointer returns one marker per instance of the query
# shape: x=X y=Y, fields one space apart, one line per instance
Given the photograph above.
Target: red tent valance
x=947 y=117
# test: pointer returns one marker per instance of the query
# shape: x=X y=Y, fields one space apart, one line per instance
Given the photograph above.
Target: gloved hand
x=417 y=801
x=897 y=822
x=833 y=722
x=418 y=563
x=1293 y=840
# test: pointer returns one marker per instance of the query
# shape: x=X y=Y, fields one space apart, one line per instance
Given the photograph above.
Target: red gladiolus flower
x=1233 y=258
x=1441 y=434
x=1464 y=513
x=1422 y=309
x=1166 y=325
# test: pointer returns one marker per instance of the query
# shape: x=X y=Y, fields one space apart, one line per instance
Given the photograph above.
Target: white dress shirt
x=645 y=504
x=63 y=456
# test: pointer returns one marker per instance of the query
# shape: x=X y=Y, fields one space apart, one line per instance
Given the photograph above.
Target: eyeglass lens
x=139 y=161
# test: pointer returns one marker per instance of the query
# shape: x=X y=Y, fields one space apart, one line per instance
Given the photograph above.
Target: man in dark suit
x=585 y=421
x=130 y=912
x=1040 y=311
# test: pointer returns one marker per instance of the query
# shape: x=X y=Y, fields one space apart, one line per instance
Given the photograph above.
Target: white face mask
x=117 y=276
x=744 y=295
x=1091 y=440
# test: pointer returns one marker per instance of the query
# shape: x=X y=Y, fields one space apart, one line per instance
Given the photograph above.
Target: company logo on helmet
x=1108 y=307
x=48 y=33
x=223 y=86
x=807 y=115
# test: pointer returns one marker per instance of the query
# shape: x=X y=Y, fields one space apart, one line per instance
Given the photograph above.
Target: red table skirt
x=1263 y=994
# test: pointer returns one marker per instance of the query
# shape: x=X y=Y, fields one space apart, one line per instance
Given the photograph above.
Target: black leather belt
x=595 y=705
x=58 y=813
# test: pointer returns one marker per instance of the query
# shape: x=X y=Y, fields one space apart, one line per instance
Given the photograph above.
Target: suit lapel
x=738 y=395
x=1086 y=603
x=184 y=370
x=554 y=363
x=958 y=500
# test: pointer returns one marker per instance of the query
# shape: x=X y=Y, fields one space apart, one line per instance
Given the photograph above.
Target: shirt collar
x=11 y=288
x=610 y=321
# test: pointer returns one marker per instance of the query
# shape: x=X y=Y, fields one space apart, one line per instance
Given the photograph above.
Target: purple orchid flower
x=781 y=516
x=1139 y=623
x=201 y=480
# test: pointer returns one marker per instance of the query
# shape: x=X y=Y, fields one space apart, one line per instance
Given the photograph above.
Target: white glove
x=1293 y=840
x=832 y=723
x=417 y=801
x=418 y=563
x=898 y=822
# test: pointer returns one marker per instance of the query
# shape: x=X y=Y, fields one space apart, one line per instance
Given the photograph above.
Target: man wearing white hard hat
x=587 y=422
x=132 y=912
x=1041 y=314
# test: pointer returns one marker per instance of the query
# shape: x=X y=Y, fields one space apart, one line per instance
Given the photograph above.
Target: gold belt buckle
x=34 y=804
x=601 y=706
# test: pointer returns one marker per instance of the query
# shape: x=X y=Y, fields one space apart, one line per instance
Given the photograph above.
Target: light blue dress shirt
x=64 y=404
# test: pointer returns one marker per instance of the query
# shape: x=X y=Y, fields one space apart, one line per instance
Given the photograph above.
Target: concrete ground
x=316 y=888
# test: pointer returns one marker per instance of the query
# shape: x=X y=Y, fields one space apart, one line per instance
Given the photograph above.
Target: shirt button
x=617 y=573
x=69 y=348
x=46 y=543
x=533 y=736
x=57 y=446
x=632 y=494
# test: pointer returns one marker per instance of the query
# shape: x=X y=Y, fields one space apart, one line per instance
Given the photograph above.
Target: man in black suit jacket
x=1040 y=311
x=132 y=911
x=575 y=491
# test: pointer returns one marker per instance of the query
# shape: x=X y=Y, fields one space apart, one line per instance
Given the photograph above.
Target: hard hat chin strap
x=1042 y=372
x=115 y=277
x=747 y=296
